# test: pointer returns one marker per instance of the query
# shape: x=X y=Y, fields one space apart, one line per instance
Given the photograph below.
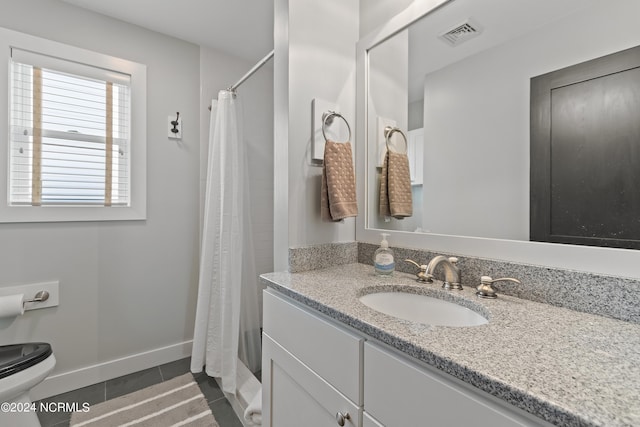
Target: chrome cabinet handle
x=340 y=418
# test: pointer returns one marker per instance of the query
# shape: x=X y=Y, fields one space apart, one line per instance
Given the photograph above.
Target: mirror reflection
x=463 y=101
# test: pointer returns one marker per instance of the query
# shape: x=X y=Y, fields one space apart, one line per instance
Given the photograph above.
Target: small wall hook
x=175 y=123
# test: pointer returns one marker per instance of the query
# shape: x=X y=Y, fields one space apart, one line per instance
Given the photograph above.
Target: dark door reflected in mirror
x=585 y=153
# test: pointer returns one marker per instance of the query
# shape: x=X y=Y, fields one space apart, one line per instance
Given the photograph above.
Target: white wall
x=374 y=13
x=477 y=122
x=218 y=71
x=387 y=103
x=315 y=58
x=125 y=287
x=416 y=115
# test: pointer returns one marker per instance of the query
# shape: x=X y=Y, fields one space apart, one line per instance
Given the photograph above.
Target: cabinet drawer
x=398 y=392
x=296 y=396
x=330 y=351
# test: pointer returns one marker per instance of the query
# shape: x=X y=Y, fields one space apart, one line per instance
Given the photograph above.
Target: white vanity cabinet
x=314 y=369
x=311 y=368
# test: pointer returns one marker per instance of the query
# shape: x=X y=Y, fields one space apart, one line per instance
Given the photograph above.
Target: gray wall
x=388 y=101
x=314 y=58
x=374 y=13
x=126 y=288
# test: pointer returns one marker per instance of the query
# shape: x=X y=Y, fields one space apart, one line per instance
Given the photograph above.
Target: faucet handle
x=454 y=262
x=422 y=275
x=486 y=290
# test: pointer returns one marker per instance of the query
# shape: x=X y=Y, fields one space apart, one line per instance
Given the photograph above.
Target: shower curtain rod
x=250 y=73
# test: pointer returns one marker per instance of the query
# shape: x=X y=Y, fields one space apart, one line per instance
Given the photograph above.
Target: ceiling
x=502 y=20
x=243 y=28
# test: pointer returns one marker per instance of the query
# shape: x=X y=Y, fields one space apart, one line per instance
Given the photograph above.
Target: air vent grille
x=462 y=32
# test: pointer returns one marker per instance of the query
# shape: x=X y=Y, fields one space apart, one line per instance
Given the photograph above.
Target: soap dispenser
x=383 y=258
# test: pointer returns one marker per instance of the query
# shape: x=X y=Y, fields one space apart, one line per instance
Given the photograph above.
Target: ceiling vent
x=461 y=33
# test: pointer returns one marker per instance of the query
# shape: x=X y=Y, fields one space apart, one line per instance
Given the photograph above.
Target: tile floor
x=116 y=387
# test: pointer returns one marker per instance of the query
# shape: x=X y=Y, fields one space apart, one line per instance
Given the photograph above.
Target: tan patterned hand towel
x=338 y=193
x=395 y=186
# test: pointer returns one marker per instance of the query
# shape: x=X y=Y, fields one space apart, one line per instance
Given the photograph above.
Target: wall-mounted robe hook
x=175 y=123
x=175 y=127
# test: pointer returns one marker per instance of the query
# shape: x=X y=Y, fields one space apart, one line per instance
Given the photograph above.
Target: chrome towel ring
x=388 y=131
x=327 y=119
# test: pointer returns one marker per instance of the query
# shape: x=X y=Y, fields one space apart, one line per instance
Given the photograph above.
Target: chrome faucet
x=451 y=271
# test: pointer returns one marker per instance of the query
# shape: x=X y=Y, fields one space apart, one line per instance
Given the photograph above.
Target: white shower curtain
x=227 y=315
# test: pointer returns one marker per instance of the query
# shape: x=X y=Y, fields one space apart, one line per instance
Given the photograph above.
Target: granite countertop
x=566 y=367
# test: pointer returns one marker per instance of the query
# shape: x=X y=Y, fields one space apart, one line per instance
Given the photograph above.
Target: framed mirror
x=466 y=95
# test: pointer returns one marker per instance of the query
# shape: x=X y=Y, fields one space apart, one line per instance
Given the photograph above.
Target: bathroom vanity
x=329 y=358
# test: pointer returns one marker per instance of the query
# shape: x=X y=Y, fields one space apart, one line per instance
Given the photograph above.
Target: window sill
x=24 y=214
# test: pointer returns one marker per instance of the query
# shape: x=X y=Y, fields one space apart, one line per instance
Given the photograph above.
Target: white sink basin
x=422 y=309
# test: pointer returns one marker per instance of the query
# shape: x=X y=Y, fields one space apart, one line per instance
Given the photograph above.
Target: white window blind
x=69 y=133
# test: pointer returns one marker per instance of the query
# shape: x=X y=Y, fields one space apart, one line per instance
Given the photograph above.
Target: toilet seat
x=18 y=357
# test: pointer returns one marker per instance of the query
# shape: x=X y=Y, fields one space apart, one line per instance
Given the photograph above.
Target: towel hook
x=175 y=123
x=327 y=119
x=388 y=131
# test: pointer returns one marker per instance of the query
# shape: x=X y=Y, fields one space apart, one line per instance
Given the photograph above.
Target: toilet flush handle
x=41 y=296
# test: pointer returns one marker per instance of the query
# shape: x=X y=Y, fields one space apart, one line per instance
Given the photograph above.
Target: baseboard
x=73 y=380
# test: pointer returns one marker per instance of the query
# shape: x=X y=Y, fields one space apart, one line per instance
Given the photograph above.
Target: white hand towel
x=253 y=413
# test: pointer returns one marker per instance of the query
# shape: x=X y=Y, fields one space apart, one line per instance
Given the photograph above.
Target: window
x=73 y=151
x=69 y=134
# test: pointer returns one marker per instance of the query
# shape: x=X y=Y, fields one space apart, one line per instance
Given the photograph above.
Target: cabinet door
x=369 y=421
x=327 y=349
x=295 y=396
x=400 y=393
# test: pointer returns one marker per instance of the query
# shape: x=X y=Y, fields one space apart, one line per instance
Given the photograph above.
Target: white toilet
x=22 y=367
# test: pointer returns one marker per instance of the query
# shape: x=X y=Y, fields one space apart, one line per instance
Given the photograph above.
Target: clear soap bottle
x=383 y=261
